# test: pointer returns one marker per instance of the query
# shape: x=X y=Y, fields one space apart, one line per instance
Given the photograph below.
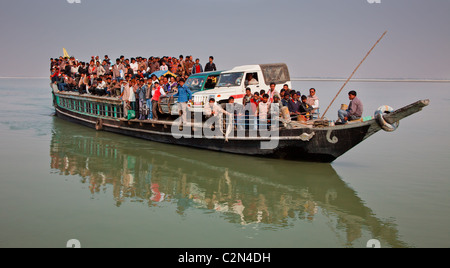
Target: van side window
x=251 y=79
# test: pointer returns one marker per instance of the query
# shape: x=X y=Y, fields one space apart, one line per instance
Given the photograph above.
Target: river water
x=61 y=181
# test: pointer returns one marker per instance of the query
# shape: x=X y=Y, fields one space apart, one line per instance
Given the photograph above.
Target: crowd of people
x=264 y=103
x=103 y=77
x=132 y=80
x=258 y=109
x=135 y=83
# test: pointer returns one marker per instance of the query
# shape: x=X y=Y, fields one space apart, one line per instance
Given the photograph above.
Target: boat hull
x=303 y=144
x=297 y=141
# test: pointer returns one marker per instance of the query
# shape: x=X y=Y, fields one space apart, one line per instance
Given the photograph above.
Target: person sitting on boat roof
x=134 y=65
x=110 y=87
x=100 y=90
x=164 y=66
x=93 y=84
x=83 y=84
x=62 y=82
x=100 y=70
x=354 y=111
x=92 y=68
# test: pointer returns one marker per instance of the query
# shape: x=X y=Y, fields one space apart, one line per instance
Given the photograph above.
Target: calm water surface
x=60 y=181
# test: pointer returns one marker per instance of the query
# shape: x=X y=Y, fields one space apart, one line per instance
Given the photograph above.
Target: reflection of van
x=234 y=82
x=196 y=83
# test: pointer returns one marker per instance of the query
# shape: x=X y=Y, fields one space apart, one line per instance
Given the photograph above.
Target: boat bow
x=406 y=111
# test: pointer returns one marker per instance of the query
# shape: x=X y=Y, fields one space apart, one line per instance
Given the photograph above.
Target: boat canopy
x=160 y=74
x=277 y=73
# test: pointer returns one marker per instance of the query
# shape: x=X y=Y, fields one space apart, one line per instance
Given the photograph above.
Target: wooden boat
x=315 y=141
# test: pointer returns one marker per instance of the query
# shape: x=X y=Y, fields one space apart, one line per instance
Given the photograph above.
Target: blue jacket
x=184 y=94
x=141 y=91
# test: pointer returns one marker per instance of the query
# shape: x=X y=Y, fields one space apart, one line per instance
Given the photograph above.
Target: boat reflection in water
x=243 y=190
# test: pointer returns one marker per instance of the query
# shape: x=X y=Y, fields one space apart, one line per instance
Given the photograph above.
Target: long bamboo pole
x=351 y=76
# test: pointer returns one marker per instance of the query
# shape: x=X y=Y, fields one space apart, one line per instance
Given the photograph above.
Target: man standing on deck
x=157 y=93
x=184 y=95
x=313 y=100
x=354 y=111
x=148 y=98
x=272 y=92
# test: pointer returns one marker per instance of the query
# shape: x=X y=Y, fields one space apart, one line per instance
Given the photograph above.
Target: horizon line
x=372 y=79
x=327 y=79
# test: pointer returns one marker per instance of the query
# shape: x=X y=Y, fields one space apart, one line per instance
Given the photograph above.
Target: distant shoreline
x=404 y=80
x=25 y=77
x=398 y=80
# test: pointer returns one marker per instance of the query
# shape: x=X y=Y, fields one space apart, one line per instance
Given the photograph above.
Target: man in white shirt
x=134 y=66
x=214 y=109
x=164 y=67
x=251 y=81
x=264 y=107
x=313 y=101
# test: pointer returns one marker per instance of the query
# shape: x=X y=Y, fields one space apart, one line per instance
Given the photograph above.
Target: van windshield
x=195 y=83
x=230 y=79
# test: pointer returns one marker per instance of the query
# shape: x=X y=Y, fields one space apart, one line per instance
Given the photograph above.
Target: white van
x=233 y=83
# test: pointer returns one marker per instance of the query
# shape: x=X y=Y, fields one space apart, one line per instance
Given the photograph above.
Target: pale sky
x=315 y=38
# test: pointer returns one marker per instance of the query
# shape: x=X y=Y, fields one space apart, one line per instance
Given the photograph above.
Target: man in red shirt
x=197 y=68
